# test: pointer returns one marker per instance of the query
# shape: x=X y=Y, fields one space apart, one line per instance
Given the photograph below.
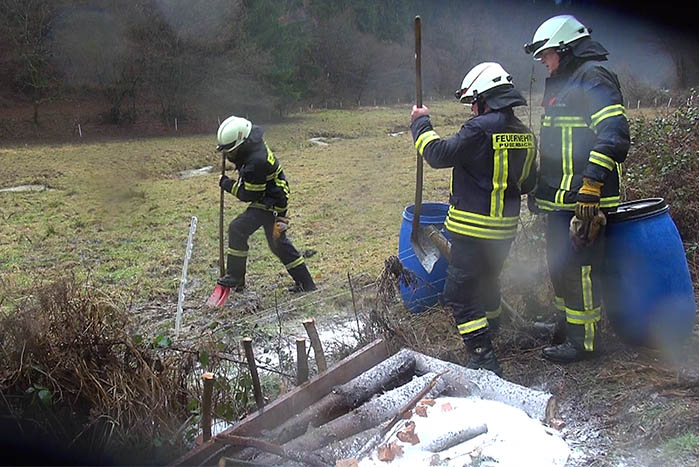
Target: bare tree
x=29 y=23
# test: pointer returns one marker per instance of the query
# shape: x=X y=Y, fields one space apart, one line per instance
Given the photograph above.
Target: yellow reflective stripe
x=495 y=314
x=270 y=156
x=479 y=232
x=550 y=206
x=587 y=287
x=480 y=219
x=527 y=166
x=237 y=253
x=559 y=303
x=254 y=186
x=601 y=160
x=295 y=263
x=274 y=175
x=424 y=139
x=588 y=336
x=567 y=164
x=471 y=326
x=570 y=122
x=500 y=182
x=609 y=201
x=607 y=112
x=582 y=317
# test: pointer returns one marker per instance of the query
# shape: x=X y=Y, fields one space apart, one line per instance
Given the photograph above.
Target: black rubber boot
x=232 y=282
x=482 y=355
x=572 y=349
x=302 y=279
x=552 y=327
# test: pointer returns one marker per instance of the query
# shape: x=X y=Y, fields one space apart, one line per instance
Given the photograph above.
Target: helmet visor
x=532 y=47
x=226 y=147
x=463 y=97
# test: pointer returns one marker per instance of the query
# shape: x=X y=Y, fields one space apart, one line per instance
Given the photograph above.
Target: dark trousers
x=472 y=288
x=576 y=278
x=242 y=227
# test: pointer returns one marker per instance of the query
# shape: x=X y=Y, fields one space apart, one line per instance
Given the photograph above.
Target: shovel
x=426 y=251
x=220 y=294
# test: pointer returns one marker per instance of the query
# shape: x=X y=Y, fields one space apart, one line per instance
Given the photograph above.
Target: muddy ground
x=631 y=406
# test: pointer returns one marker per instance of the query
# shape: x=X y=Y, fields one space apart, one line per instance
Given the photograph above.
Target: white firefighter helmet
x=556 y=32
x=483 y=77
x=232 y=132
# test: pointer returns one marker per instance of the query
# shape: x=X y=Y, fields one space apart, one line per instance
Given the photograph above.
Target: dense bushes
x=663 y=162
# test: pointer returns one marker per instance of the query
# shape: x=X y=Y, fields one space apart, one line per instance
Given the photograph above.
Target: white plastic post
x=80 y=131
x=183 y=279
x=175 y=124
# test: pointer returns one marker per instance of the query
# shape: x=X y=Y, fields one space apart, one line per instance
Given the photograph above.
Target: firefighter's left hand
x=226 y=183
x=419 y=112
x=583 y=233
x=588 y=199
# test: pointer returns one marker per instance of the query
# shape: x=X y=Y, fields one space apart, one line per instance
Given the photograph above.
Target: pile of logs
x=326 y=421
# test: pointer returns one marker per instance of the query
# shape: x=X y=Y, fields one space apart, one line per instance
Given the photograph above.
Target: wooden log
x=310 y=326
x=452 y=439
x=369 y=415
x=302 y=362
x=257 y=390
x=386 y=375
x=463 y=382
x=208 y=381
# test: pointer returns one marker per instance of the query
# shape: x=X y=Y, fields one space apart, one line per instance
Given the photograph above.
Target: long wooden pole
x=302 y=362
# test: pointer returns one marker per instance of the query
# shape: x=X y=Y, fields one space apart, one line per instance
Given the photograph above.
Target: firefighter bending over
x=492 y=158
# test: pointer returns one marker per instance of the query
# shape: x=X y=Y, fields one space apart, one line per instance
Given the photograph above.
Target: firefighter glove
x=588 y=199
x=280 y=226
x=583 y=233
x=226 y=183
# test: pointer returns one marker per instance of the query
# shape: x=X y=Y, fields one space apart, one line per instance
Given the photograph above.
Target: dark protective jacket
x=492 y=158
x=260 y=177
x=584 y=130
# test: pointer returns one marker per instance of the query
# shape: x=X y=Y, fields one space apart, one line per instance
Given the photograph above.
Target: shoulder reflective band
x=513 y=141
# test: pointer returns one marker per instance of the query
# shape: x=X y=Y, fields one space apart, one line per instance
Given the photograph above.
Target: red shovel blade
x=219 y=296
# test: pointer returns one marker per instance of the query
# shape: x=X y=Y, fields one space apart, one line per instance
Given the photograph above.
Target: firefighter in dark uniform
x=583 y=140
x=493 y=162
x=261 y=182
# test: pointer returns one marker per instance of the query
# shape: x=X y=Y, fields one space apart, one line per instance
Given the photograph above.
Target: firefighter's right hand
x=419 y=112
x=280 y=226
x=226 y=183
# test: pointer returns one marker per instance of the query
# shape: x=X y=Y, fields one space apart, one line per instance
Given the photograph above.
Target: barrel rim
x=648 y=207
x=427 y=219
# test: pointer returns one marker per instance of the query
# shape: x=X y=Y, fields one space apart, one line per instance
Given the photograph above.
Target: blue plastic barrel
x=426 y=290
x=647 y=291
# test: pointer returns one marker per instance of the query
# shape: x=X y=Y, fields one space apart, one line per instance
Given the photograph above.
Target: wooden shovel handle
x=419 y=159
x=222 y=266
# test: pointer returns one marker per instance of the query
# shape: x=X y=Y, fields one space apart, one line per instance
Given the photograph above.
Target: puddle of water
x=322 y=140
x=195 y=172
x=22 y=188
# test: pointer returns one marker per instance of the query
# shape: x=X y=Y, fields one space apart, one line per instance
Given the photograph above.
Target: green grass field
x=117 y=212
